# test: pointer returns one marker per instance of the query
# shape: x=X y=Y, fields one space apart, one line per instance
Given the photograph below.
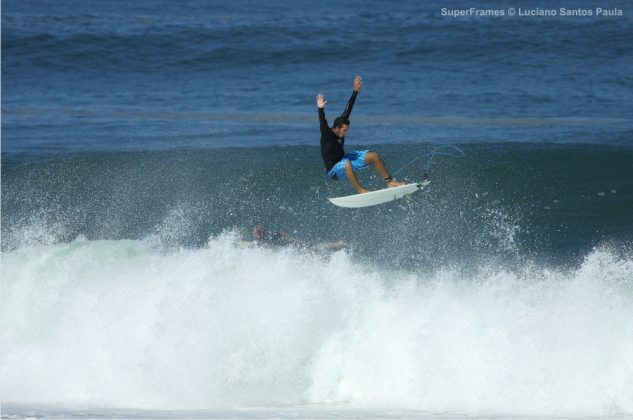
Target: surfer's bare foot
x=362 y=191
x=394 y=183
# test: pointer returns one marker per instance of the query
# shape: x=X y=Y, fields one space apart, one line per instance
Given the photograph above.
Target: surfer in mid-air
x=338 y=164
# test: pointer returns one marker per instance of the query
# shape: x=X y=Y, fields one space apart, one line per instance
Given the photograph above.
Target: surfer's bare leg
x=349 y=173
x=373 y=158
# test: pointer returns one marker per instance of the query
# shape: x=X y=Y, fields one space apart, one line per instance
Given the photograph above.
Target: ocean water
x=142 y=141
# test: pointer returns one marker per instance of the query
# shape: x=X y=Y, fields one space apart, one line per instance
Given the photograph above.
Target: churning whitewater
x=126 y=323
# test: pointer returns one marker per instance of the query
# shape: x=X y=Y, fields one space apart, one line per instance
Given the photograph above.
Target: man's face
x=341 y=131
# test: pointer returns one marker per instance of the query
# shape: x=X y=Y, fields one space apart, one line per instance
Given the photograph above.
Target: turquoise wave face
x=508 y=202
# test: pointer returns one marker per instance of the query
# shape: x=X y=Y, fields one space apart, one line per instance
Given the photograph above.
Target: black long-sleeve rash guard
x=331 y=146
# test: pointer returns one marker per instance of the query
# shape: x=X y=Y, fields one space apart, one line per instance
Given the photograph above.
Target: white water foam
x=123 y=324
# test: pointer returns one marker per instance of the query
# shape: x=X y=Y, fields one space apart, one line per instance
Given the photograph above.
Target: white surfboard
x=378 y=197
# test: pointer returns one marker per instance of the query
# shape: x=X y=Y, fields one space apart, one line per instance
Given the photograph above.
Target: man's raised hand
x=358 y=83
x=321 y=101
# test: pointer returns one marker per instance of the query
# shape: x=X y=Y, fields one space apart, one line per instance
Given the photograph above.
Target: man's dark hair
x=340 y=121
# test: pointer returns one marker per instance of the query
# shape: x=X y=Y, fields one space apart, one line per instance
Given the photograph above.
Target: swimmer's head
x=259 y=232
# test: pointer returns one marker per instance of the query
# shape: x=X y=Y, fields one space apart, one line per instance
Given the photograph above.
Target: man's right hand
x=321 y=101
x=358 y=83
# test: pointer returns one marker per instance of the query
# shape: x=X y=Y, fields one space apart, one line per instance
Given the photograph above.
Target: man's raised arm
x=358 y=83
x=322 y=121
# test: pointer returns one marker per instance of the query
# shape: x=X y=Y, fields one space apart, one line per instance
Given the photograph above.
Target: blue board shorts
x=357 y=158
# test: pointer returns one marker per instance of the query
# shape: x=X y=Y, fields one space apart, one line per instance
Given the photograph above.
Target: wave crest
x=126 y=324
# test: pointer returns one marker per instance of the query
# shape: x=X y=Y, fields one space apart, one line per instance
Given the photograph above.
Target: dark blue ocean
x=156 y=75
x=143 y=140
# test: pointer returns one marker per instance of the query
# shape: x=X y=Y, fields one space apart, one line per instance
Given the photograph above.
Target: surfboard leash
x=438 y=151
